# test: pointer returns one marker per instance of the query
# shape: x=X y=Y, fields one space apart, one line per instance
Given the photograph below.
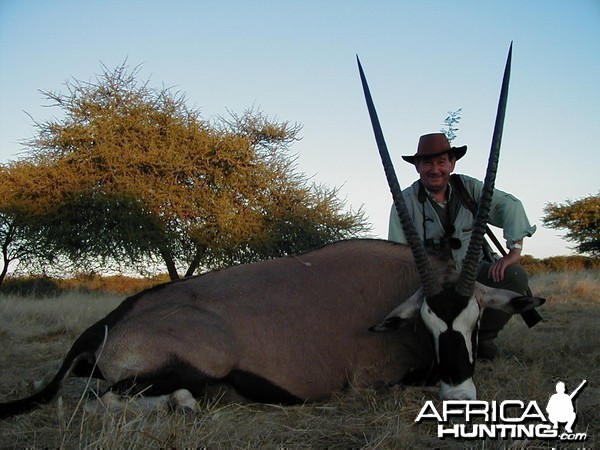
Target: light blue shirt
x=506 y=212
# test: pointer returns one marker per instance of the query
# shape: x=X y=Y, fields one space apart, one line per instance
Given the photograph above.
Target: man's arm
x=508 y=213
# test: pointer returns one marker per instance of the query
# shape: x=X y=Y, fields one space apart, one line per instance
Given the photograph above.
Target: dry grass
x=35 y=334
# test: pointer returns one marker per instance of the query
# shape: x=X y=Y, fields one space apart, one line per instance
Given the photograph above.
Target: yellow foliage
x=221 y=186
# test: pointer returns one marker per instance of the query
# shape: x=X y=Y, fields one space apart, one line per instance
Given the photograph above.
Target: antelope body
x=285 y=330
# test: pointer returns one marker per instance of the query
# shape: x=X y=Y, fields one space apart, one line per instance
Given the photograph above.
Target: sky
x=296 y=62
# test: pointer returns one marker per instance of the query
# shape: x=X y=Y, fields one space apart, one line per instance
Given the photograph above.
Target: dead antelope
x=286 y=330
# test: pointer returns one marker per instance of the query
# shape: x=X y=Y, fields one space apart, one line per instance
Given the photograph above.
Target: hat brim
x=459 y=152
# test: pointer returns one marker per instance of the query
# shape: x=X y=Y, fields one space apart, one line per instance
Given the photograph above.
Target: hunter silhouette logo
x=507 y=419
x=560 y=407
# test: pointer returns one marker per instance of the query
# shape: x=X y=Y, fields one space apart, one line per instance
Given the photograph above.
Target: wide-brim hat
x=435 y=144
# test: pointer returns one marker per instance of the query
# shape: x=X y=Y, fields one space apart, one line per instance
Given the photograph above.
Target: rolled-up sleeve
x=507 y=212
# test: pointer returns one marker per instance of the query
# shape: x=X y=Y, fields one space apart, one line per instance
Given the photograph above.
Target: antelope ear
x=402 y=314
x=505 y=300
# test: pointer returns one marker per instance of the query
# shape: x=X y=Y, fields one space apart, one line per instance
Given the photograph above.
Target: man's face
x=435 y=172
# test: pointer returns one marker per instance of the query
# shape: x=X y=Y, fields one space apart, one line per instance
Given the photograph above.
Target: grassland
x=36 y=333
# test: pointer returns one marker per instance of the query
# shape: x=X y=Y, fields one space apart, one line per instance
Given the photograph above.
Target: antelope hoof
x=182 y=401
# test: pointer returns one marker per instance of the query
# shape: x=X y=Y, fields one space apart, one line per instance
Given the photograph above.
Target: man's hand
x=498 y=268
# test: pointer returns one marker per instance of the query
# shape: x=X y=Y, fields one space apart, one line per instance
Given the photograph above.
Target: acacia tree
x=14 y=242
x=131 y=173
x=19 y=240
x=582 y=220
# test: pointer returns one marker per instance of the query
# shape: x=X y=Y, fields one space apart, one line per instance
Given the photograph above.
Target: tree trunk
x=200 y=251
x=8 y=238
x=4 y=270
x=170 y=263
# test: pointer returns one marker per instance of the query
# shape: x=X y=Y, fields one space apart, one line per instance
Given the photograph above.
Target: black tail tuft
x=27 y=404
x=44 y=396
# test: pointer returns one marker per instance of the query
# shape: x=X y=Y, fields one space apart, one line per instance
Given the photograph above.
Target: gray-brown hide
x=299 y=323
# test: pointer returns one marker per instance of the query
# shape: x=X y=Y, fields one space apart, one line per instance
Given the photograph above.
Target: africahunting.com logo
x=509 y=419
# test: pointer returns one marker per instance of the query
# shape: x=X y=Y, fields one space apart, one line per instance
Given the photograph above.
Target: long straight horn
x=428 y=279
x=468 y=274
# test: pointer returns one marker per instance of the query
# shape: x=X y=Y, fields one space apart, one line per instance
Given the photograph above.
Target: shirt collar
x=433 y=199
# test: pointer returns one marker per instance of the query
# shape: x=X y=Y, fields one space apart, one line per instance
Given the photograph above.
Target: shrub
x=31 y=287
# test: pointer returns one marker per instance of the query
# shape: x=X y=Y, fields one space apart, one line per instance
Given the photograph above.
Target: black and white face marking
x=504 y=300
x=453 y=322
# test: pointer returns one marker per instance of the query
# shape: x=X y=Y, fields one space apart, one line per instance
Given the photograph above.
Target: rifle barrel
x=576 y=391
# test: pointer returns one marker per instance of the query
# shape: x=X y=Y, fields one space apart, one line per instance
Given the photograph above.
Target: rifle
x=531 y=317
x=576 y=391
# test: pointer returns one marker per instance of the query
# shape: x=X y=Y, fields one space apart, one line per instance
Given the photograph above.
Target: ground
x=35 y=334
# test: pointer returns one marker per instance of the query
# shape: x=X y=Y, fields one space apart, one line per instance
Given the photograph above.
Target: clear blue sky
x=295 y=60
